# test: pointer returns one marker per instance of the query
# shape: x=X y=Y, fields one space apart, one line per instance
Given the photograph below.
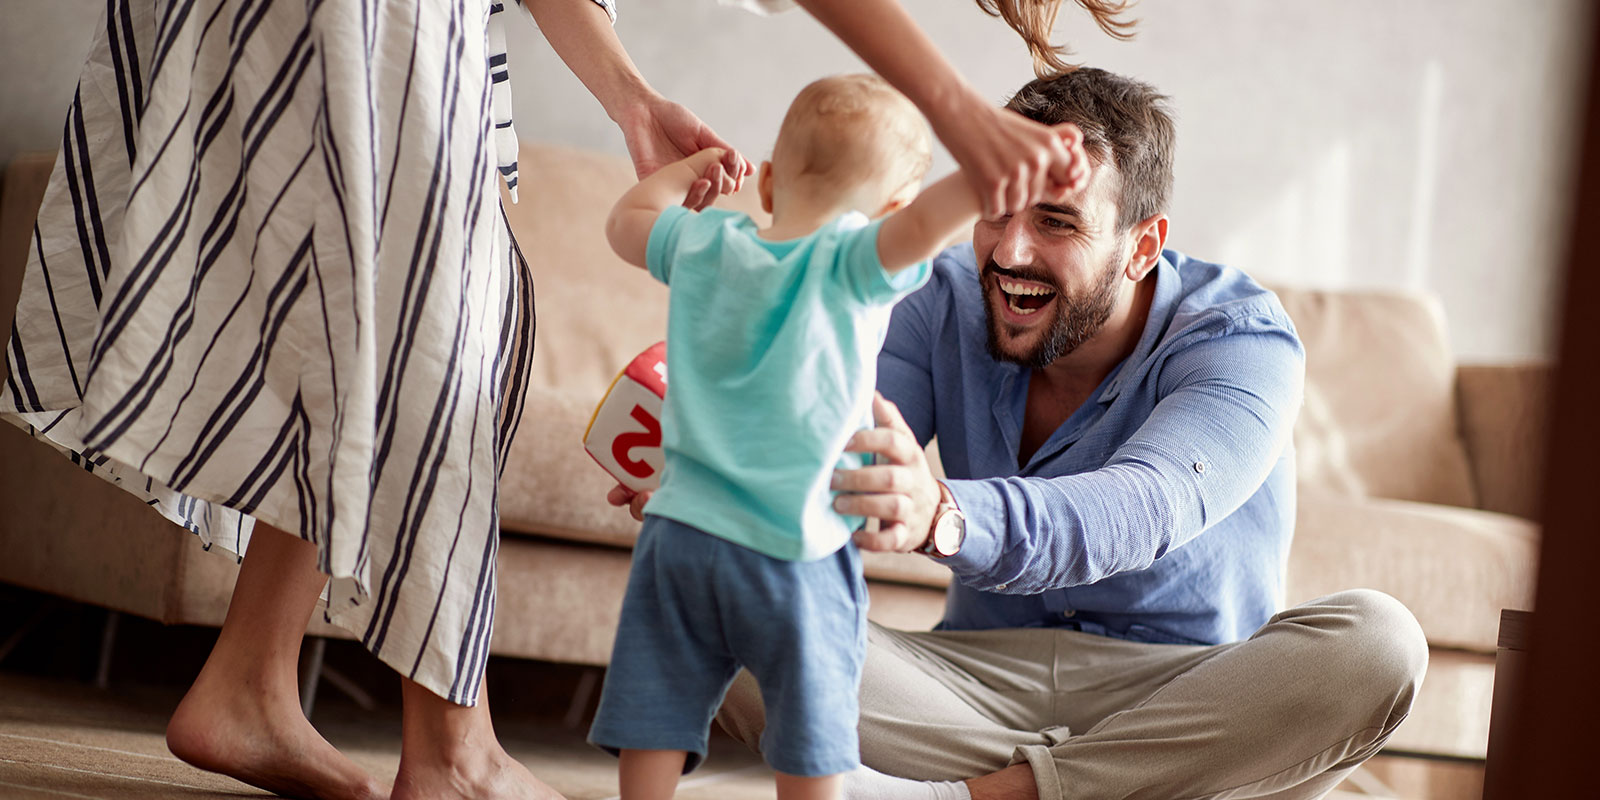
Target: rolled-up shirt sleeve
x=765 y=8
x=610 y=7
x=1228 y=400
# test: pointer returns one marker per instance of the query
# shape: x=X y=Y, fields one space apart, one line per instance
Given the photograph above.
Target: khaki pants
x=1287 y=713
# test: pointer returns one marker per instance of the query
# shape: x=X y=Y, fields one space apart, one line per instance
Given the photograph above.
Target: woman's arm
x=1013 y=162
x=657 y=130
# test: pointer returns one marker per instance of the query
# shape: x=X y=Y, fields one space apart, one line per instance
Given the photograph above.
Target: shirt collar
x=1169 y=285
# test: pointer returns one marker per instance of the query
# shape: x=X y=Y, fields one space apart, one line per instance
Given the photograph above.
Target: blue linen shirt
x=771 y=358
x=1162 y=509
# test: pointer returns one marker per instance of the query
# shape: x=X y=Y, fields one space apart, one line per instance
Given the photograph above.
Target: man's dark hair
x=1123 y=120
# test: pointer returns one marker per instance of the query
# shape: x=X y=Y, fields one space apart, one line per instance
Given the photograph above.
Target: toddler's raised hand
x=720 y=177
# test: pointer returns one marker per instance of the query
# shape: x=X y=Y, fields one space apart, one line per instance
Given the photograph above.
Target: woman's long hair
x=1034 y=19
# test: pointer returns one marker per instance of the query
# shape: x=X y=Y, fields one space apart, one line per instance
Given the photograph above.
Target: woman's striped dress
x=271 y=280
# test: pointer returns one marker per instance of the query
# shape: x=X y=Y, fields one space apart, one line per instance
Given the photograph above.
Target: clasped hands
x=899 y=489
x=1011 y=160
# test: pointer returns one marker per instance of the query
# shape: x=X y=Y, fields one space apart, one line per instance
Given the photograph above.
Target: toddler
x=772 y=341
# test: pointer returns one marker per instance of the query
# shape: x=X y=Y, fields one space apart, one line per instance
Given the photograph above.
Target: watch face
x=947 y=535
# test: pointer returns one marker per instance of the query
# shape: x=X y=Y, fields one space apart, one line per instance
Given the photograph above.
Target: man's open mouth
x=1024 y=297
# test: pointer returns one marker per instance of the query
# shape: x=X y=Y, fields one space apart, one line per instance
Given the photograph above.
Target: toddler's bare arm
x=628 y=227
x=920 y=230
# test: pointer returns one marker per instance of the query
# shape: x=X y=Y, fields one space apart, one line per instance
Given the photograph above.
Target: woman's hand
x=659 y=132
x=1012 y=161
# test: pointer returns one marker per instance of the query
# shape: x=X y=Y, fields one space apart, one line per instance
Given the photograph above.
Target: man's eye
x=1058 y=224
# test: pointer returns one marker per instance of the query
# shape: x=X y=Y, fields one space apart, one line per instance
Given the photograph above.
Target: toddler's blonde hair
x=845 y=131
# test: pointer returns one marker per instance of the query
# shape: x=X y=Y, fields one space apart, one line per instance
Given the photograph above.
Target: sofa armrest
x=1503 y=409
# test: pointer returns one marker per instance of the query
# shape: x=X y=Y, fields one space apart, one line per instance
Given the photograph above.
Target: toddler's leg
x=650 y=774
x=821 y=787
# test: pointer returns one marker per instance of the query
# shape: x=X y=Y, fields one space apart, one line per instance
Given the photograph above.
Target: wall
x=1357 y=143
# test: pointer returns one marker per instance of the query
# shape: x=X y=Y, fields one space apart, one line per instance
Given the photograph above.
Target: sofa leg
x=587 y=683
x=40 y=611
x=311 y=672
x=108 y=641
x=350 y=688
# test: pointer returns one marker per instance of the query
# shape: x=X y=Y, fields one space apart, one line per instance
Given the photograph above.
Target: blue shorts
x=699 y=607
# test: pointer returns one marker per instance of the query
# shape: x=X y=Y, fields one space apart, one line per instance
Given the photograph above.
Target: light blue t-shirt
x=772 y=352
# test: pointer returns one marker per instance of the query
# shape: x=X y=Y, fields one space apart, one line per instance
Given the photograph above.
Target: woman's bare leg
x=449 y=752
x=242 y=716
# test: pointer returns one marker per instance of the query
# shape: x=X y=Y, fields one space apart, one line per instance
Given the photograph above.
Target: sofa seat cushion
x=550 y=485
x=1455 y=568
x=551 y=488
x=538 y=617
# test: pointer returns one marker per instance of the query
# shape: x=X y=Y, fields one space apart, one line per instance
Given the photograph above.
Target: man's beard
x=1077 y=317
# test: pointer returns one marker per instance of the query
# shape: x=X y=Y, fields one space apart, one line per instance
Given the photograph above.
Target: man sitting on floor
x=1114 y=422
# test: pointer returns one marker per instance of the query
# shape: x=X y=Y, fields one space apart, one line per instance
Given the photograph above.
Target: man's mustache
x=1023 y=273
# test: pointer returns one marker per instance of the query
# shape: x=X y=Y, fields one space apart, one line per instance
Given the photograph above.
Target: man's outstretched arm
x=1226 y=413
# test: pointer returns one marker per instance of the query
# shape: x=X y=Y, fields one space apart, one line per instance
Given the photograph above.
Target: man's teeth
x=1016 y=309
x=1017 y=287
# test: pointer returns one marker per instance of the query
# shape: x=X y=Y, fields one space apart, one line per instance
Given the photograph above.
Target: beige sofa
x=1417 y=476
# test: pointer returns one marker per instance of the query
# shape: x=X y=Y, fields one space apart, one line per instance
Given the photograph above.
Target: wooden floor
x=63 y=739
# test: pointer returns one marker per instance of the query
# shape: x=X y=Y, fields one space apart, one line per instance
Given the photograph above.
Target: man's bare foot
x=239 y=732
x=485 y=773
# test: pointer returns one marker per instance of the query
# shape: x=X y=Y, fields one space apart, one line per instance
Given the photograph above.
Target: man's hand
x=899 y=489
x=623 y=496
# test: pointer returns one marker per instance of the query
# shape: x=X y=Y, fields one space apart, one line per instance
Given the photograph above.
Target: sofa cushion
x=1503 y=424
x=552 y=489
x=1455 y=568
x=1380 y=411
x=595 y=311
x=539 y=576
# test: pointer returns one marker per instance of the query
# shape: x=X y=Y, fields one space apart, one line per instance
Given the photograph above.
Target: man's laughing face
x=1052 y=274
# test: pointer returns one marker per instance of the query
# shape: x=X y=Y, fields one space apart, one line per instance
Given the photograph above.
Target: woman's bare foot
x=487 y=773
x=242 y=716
x=449 y=752
x=241 y=732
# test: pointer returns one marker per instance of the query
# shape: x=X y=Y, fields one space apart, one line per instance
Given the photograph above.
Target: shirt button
x=1070 y=613
x=1002 y=586
x=1200 y=467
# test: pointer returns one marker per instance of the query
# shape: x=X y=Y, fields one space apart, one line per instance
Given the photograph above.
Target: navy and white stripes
x=271 y=280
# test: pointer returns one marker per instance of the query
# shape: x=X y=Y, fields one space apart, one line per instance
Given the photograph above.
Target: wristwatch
x=949 y=528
